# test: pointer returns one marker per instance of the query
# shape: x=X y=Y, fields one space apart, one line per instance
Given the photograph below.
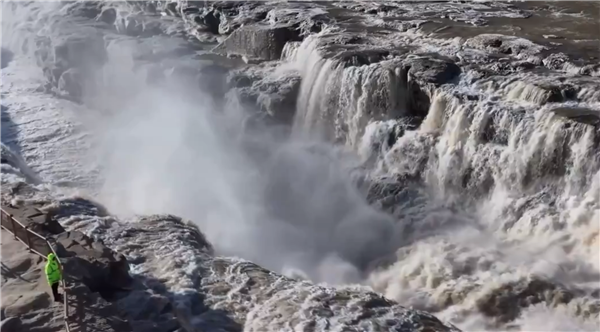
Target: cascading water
x=518 y=184
x=482 y=199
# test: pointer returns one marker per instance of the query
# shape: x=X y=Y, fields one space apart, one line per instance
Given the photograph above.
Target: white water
x=164 y=149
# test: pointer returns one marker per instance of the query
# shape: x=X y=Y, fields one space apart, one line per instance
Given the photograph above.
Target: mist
x=289 y=204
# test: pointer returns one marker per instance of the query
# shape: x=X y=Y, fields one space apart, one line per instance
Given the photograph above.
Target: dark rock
x=431 y=70
x=505 y=303
x=212 y=22
x=71 y=83
x=274 y=95
x=133 y=27
x=172 y=9
x=258 y=41
x=555 y=61
x=108 y=16
x=90 y=309
x=502 y=44
x=213 y=79
x=423 y=75
x=6 y=56
x=579 y=114
x=20 y=188
x=148 y=7
x=11 y=324
x=86 y=9
x=92 y=263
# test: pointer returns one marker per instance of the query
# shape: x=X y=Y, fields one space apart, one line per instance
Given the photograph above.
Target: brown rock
x=98 y=267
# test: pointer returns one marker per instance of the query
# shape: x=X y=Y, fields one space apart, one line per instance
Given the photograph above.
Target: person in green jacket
x=54 y=275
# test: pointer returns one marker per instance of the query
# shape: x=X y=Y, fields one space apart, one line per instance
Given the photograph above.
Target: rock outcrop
x=180 y=283
x=93 y=271
x=93 y=264
x=267 y=91
x=234 y=294
x=258 y=41
x=27 y=303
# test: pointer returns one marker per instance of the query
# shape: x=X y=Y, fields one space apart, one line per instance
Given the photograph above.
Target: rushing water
x=485 y=212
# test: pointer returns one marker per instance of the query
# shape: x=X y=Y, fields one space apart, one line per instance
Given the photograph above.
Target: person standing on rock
x=54 y=275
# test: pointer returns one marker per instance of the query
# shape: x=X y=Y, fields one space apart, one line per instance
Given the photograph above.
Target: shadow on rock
x=151 y=307
x=6 y=56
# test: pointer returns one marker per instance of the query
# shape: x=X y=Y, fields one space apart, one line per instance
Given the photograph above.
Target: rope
x=11 y=220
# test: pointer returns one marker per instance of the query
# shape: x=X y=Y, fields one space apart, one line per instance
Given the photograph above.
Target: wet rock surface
x=234 y=295
x=268 y=92
x=93 y=264
x=263 y=42
x=364 y=34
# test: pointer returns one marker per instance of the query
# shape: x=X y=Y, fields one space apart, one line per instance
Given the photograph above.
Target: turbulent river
x=443 y=154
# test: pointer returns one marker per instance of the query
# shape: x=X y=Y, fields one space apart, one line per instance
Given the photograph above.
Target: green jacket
x=53 y=273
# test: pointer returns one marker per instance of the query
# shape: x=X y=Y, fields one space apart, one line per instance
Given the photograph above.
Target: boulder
x=423 y=75
x=98 y=267
x=503 y=44
x=274 y=95
x=432 y=70
x=11 y=324
x=579 y=114
x=506 y=302
x=108 y=16
x=259 y=41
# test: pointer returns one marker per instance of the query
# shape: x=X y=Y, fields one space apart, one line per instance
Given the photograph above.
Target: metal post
x=27 y=237
x=12 y=222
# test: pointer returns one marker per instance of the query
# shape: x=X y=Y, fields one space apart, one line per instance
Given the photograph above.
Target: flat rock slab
x=258 y=41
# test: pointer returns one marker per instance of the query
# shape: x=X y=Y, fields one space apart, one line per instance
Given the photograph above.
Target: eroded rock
x=509 y=45
x=579 y=114
x=505 y=303
x=268 y=92
x=108 y=16
x=258 y=41
x=92 y=263
x=424 y=75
